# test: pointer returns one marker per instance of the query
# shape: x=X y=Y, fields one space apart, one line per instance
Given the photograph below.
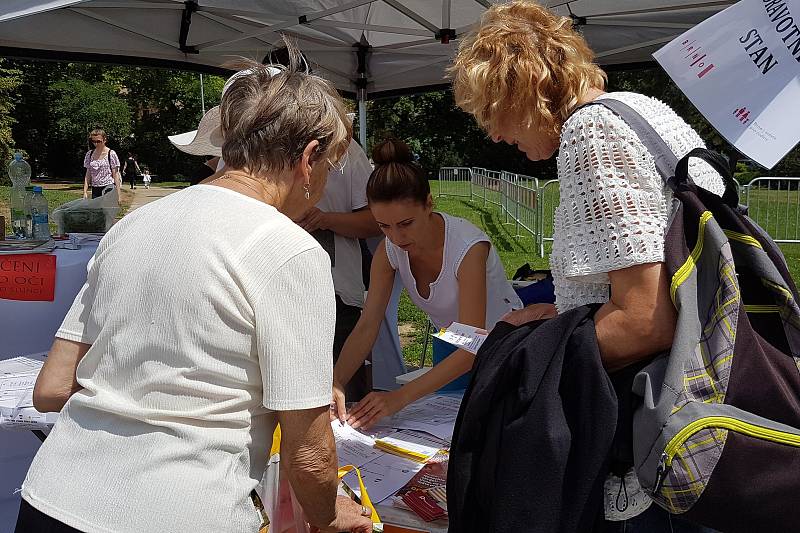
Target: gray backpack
x=716 y=428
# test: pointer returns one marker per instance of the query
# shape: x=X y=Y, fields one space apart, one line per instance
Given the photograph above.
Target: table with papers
x=28 y=327
x=391 y=454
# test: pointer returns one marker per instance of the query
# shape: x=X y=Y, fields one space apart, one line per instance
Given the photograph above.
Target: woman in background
x=102 y=166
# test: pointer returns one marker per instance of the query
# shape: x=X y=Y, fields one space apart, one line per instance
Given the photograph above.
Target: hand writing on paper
x=338 y=408
x=530 y=313
x=313 y=219
x=375 y=406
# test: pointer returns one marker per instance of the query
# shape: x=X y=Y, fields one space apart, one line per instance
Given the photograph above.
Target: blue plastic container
x=441 y=350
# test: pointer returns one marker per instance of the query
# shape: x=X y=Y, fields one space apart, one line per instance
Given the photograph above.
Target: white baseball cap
x=207 y=138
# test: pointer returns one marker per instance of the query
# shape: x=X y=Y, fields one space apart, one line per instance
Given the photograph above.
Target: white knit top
x=206 y=311
x=614 y=205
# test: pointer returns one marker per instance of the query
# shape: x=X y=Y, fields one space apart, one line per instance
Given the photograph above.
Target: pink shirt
x=99 y=171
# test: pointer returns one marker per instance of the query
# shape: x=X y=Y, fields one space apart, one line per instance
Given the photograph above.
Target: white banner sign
x=741 y=69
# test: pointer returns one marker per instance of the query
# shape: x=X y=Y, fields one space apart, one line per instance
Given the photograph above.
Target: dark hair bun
x=392 y=151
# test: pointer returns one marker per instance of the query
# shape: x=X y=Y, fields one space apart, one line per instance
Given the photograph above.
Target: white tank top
x=442 y=302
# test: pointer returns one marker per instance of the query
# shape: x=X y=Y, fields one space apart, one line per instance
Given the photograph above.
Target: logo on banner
x=696 y=58
x=742 y=114
x=30 y=277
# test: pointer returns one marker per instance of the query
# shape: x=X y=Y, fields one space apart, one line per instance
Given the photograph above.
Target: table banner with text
x=30 y=277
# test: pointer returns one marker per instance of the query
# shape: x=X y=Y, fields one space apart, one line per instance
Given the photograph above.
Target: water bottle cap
x=37 y=188
x=17 y=156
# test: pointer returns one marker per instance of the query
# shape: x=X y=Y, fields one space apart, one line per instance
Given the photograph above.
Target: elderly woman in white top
x=172 y=382
x=523 y=74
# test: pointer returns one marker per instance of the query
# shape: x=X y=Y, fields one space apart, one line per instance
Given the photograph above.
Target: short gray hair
x=268 y=120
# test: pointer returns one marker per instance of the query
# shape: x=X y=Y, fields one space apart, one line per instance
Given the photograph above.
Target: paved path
x=142 y=196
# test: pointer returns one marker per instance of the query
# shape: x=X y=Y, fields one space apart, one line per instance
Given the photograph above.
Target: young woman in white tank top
x=448 y=267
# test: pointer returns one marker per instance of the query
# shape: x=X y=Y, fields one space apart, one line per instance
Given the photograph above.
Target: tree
x=166 y=103
x=443 y=135
x=9 y=81
x=78 y=107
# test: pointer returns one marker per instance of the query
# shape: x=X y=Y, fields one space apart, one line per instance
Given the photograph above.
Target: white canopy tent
x=366 y=47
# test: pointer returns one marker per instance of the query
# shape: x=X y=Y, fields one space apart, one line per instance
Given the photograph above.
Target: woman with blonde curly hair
x=526 y=74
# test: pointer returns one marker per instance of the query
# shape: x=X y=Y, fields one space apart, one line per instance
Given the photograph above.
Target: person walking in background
x=168 y=404
x=526 y=74
x=102 y=166
x=131 y=169
x=146 y=177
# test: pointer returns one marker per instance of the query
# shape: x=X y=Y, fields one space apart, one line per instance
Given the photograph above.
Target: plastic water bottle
x=26 y=209
x=20 y=173
x=41 y=226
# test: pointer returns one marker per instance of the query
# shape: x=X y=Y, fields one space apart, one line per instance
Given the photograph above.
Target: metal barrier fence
x=774 y=203
x=549 y=200
x=455 y=181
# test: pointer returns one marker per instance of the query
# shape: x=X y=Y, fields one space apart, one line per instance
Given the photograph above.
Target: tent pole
x=202 y=94
x=362 y=122
x=362 y=49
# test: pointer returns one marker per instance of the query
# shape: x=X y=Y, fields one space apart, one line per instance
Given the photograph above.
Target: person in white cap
x=168 y=403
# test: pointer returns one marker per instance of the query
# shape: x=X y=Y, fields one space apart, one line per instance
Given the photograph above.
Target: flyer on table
x=741 y=69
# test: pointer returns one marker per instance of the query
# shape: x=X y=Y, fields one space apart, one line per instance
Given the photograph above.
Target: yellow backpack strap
x=365 y=501
x=276 y=441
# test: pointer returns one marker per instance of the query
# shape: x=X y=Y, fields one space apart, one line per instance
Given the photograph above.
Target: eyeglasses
x=96 y=141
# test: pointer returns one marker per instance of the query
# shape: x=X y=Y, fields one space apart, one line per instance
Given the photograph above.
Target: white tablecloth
x=29 y=327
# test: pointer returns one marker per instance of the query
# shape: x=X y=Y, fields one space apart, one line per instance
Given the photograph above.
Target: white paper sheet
x=27 y=419
x=16 y=390
x=352 y=447
x=412 y=443
x=466 y=337
x=383 y=476
x=435 y=415
x=22 y=364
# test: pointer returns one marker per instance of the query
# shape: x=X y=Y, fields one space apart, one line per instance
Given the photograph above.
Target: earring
x=307 y=190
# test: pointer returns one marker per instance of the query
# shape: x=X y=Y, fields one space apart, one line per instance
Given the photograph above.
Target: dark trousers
x=346 y=318
x=653 y=520
x=132 y=179
x=97 y=192
x=32 y=520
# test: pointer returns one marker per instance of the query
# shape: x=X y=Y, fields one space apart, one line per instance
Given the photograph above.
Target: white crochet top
x=614 y=204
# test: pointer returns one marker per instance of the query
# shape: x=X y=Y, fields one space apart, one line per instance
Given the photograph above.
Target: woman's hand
x=338 y=408
x=350 y=516
x=530 y=313
x=375 y=406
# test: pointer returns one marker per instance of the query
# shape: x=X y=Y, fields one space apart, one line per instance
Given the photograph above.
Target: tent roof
x=404 y=41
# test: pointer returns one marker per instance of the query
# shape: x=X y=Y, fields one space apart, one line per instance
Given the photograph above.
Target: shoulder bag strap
x=665 y=159
x=672 y=171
